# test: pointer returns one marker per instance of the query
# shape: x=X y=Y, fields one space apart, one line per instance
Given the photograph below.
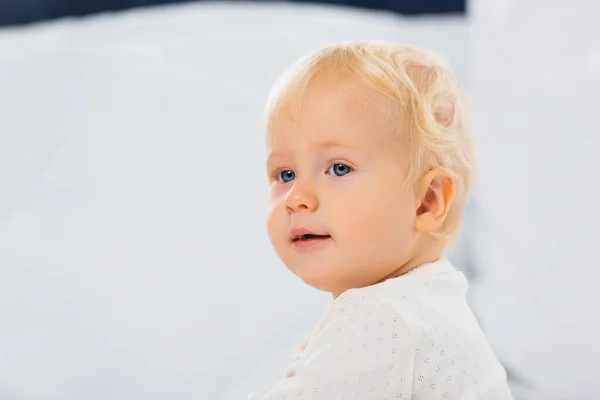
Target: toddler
x=370 y=160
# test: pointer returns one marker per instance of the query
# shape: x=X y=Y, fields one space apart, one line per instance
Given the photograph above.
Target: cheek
x=276 y=224
x=373 y=216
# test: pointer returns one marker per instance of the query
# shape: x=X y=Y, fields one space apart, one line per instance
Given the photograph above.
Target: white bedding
x=133 y=259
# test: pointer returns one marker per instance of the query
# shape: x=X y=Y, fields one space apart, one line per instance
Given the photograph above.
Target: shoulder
x=371 y=307
x=360 y=349
x=360 y=330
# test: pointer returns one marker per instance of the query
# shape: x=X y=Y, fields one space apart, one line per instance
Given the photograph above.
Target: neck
x=433 y=253
x=413 y=263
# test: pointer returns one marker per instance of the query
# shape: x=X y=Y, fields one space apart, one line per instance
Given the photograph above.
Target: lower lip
x=305 y=244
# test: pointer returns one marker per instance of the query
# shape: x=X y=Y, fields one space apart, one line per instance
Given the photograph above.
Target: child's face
x=337 y=171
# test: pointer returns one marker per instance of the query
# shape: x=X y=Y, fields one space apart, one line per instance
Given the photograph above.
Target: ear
x=436 y=194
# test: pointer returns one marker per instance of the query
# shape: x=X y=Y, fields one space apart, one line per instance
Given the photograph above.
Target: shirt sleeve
x=363 y=350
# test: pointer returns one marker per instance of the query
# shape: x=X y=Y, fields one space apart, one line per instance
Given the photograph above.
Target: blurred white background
x=134 y=262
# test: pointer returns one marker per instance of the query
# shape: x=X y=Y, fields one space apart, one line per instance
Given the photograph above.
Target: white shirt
x=411 y=337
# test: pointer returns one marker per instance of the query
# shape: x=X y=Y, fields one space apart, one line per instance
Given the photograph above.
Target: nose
x=301 y=197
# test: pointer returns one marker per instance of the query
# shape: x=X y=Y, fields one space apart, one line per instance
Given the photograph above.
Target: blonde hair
x=428 y=103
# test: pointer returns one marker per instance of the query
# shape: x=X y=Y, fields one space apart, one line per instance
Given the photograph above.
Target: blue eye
x=339 y=169
x=287 y=176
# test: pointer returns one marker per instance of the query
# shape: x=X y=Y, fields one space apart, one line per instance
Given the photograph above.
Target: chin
x=319 y=277
x=319 y=285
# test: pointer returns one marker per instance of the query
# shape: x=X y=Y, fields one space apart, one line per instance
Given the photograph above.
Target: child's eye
x=339 y=169
x=286 y=176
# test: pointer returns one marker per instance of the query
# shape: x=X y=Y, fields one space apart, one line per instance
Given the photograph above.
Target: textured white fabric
x=411 y=337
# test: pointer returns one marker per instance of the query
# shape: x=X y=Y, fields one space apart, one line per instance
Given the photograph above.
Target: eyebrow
x=324 y=145
x=328 y=144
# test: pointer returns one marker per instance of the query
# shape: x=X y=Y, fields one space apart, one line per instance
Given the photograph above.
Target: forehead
x=329 y=113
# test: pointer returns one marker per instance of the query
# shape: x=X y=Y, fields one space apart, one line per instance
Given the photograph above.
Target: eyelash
x=277 y=172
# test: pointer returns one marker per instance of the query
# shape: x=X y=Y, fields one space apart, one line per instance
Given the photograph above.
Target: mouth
x=306 y=240
x=300 y=233
x=311 y=236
